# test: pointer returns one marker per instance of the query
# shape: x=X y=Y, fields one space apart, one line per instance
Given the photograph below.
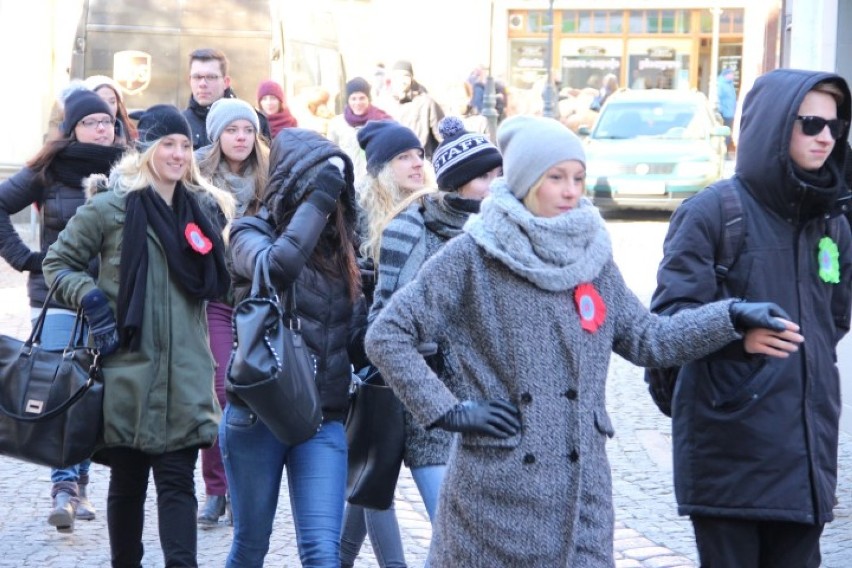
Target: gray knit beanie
x=225 y=111
x=531 y=145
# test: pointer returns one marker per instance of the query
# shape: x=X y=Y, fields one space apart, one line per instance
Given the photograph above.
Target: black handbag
x=271 y=368
x=375 y=431
x=51 y=402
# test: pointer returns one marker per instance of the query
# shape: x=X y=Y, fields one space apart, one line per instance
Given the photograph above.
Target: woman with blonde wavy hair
x=236 y=161
x=161 y=261
x=397 y=176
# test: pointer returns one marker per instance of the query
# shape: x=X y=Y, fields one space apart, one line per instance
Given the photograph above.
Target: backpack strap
x=733 y=228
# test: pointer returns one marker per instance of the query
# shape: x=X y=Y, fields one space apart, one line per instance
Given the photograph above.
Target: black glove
x=101 y=321
x=748 y=315
x=329 y=180
x=497 y=418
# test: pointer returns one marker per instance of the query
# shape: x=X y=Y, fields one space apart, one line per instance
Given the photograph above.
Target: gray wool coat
x=543 y=497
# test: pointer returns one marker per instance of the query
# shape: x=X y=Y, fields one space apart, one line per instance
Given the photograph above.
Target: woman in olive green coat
x=161 y=260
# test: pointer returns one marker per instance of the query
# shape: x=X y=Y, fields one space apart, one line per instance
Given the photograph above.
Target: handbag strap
x=77 y=334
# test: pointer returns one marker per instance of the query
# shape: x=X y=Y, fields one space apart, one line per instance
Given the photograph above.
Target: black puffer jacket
x=756 y=437
x=333 y=326
x=57 y=202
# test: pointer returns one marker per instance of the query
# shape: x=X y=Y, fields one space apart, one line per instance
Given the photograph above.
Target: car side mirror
x=722 y=131
x=584 y=130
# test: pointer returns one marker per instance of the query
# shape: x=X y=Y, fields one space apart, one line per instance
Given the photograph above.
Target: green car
x=651 y=149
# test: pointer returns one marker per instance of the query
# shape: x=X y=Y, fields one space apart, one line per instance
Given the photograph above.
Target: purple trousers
x=221 y=340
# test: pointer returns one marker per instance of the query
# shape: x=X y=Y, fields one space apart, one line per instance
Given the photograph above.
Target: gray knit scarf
x=555 y=254
x=241 y=186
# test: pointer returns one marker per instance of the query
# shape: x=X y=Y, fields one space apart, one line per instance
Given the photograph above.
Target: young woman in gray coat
x=533 y=306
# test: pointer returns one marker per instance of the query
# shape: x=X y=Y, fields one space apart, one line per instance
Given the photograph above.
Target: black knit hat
x=80 y=104
x=358 y=85
x=383 y=140
x=158 y=121
x=463 y=155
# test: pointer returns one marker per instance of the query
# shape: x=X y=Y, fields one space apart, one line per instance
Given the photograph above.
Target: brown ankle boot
x=62 y=515
x=85 y=510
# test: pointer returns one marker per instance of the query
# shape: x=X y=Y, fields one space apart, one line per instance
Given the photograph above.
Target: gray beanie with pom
x=531 y=145
x=225 y=111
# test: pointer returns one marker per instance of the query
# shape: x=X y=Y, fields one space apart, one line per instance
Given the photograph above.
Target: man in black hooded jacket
x=755 y=438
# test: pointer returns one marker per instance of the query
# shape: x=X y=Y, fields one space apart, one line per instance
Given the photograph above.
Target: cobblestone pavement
x=649 y=534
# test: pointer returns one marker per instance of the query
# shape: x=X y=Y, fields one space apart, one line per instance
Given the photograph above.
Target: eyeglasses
x=91 y=123
x=813 y=125
x=208 y=78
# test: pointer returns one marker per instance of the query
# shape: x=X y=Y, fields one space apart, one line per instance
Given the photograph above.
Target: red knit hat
x=270 y=87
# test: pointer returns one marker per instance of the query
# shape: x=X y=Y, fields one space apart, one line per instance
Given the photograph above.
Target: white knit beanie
x=531 y=145
x=225 y=111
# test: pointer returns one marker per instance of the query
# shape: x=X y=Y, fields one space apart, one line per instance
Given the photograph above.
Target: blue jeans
x=55 y=334
x=383 y=527
x=428 y=479
x=316 y=474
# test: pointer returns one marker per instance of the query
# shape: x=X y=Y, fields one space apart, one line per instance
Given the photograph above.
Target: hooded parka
x=160 y=398
x=756 y=437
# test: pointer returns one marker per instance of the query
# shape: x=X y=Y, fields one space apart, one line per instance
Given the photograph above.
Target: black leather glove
x=497 y=418
x=101 y=321
x=748 y=315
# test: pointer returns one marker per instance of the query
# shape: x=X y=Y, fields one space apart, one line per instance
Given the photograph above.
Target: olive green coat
x=160 y=398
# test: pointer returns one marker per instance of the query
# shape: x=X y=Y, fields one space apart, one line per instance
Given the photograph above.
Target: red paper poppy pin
x=590 y=306
x=197 y=240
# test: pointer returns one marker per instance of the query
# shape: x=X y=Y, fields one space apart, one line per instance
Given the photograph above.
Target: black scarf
x=202 y=276
x=200 y=110
x=80 y=160
x=820 y=191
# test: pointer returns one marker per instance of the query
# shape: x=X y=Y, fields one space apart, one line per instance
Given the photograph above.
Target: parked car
x=651 y=149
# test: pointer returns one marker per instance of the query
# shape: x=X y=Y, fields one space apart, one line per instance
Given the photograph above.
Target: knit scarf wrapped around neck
x=356 y=120
x=555 y=253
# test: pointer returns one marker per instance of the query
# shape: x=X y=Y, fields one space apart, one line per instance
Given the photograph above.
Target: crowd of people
x=397 y=227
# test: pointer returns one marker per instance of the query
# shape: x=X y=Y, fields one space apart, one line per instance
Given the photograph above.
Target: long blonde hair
x=382 y=199
x=136 y=172
x=258 y=159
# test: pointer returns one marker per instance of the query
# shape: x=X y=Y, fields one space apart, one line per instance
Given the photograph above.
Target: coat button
x=571 y=394
x=574 y=456
x=529 y=458
x=526 y=398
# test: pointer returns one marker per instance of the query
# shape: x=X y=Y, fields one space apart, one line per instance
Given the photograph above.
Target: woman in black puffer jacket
x=52 y=181
x=307 y=225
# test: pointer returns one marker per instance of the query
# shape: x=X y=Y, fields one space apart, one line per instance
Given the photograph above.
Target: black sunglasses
x=813 y=125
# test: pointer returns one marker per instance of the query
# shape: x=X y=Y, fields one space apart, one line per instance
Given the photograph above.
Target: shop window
x=659 y=21
x=588 y=22
x=730 y=21
x=538 y=21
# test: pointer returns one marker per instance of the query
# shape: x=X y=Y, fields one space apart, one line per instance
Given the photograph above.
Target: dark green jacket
x=160 y=398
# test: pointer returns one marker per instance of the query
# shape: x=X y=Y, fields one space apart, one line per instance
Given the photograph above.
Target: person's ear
x=227 y=79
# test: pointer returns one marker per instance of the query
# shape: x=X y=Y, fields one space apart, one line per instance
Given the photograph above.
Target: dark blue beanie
x=80 y=104
x=383 y=140
x=158 y=121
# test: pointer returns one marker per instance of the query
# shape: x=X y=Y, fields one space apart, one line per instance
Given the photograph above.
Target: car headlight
x=696 y=169
x=601 y=168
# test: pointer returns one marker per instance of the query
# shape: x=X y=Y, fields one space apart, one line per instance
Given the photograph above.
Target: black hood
x=763 y=149
x=295 y=157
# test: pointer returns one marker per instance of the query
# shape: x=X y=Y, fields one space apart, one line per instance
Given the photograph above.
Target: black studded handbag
x=51 y=402
x=270 y=368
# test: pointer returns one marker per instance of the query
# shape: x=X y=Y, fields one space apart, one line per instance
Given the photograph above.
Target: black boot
x=213 y=508
x=62 y=515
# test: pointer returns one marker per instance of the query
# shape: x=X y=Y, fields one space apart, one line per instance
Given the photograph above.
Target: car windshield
x=651 y=119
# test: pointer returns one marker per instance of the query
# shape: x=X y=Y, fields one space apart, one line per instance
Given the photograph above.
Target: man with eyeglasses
x=756 y=438
x=209 y=82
